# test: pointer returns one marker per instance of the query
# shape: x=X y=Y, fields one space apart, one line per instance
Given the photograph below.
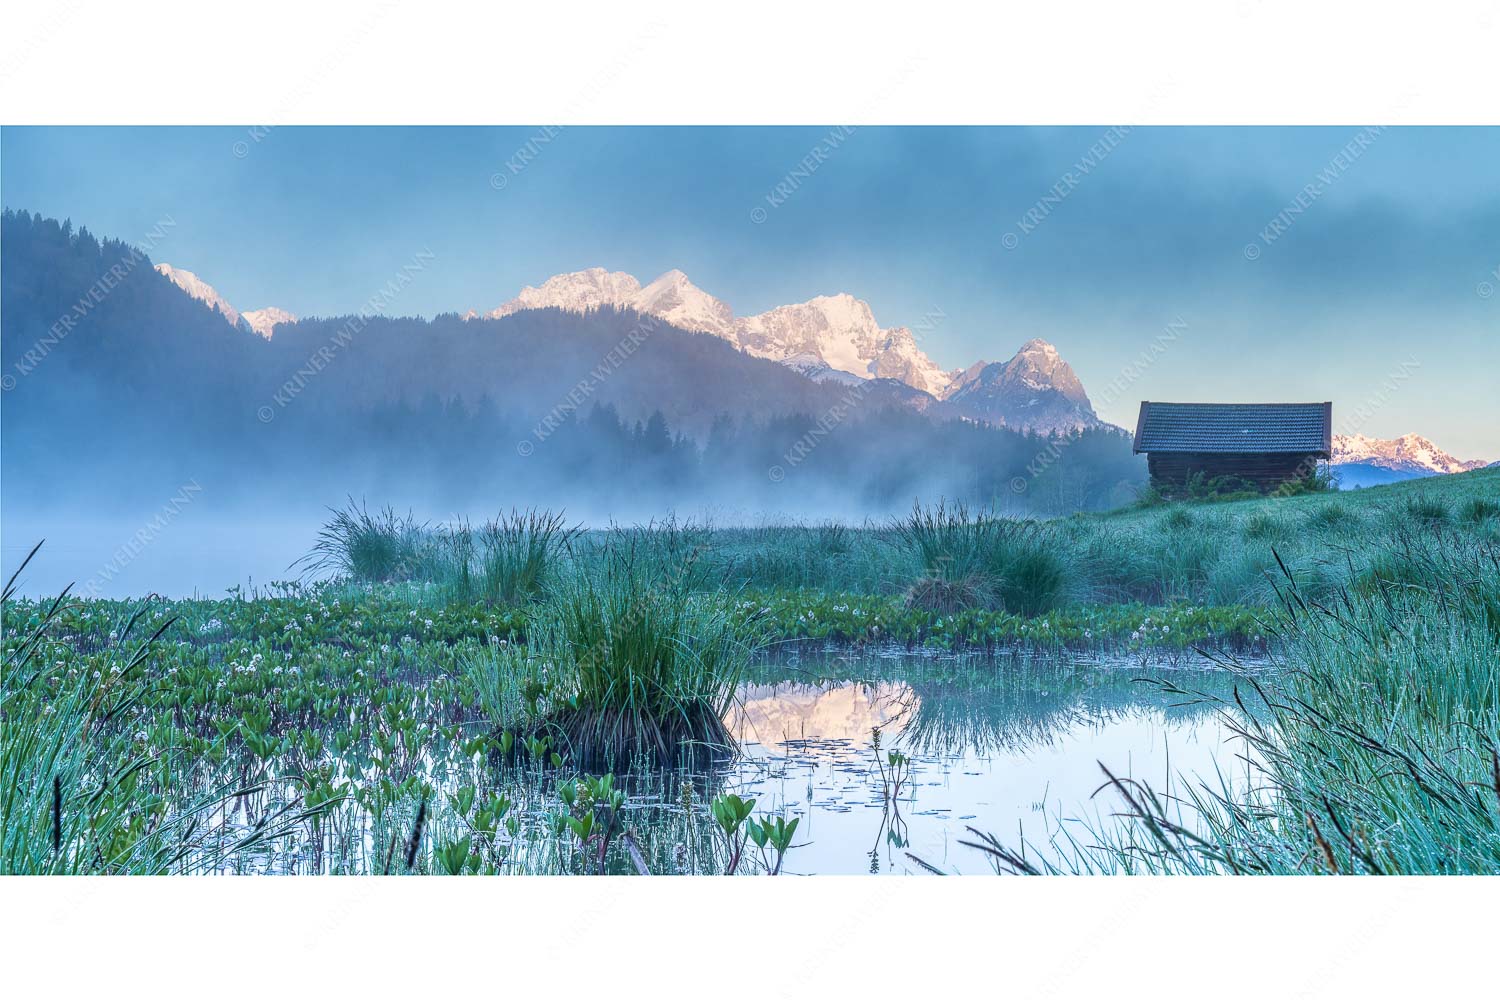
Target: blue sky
x=1384 y=260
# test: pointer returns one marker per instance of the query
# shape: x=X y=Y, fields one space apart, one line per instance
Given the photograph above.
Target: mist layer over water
x=198 y=544
x=197 y=553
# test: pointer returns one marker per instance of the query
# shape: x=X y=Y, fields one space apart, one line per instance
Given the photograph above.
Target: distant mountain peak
x=677 y=300
x=835 y=337
x=1036 y=389
x=574 y=291
x=1038 y=365
x=838 y=329
x=200 y=290
x=257 y=321
x=264 y=321
x=829 y=338
x=815 y=368
x=1410 y=453
x=672 y=277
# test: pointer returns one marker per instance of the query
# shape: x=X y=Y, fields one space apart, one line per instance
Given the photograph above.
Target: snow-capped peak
x=259 y=321
x=677 y=300
x=200 y=290
x=838 y=330
x=576 y=291
x=1407 y=453
x=1039 y=349
x=815 y=368
x=263 y=321
x=836 y=338
x=1035 y=389
x=1038 y=365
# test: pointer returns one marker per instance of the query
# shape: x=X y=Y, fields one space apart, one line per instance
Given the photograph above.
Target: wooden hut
x=1261 y=444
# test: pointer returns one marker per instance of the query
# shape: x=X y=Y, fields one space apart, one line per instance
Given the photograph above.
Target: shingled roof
x=1236 y=427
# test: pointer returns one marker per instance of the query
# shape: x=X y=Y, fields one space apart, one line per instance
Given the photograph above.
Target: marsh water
x=1010 y=746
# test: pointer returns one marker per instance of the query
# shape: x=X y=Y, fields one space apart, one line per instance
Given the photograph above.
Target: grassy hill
x=1453 y=491
x=1226 y=553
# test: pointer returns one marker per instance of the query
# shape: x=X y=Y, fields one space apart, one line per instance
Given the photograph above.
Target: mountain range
x=1366 y=461
x=568 y=407
x=828 y=338
x=836 y=339
x=152 y=379
x=838 y=330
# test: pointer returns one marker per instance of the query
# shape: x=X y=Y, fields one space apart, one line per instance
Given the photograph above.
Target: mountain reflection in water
x=1011 y=747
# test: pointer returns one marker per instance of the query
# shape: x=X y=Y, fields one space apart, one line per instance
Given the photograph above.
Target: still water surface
x=1009 y=746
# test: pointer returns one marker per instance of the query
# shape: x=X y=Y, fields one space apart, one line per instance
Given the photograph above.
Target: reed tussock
x=978 y=560
x=626 y=657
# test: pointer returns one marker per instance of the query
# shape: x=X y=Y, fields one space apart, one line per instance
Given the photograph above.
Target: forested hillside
x=106 y=361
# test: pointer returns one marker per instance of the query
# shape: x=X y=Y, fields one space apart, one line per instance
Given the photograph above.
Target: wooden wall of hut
x=1170 y=470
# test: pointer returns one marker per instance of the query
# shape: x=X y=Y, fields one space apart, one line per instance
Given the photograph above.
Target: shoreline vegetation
x=151 y=735
x=1375 y=746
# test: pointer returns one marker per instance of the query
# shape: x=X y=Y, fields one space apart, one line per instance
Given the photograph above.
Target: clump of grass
x=1239 y=577
x=508 y=560
x=946 y=597
x=1393 y=568
x=833 y=538
x=1114 y=567
x=970 y=560
x=1428 y=512
x=669 y=551
x=367 y=547
x=1334 y=518
x=1263 y=526
x=828 y=555
x=1025 y=570
x=1177 y=519
x=769 y=557
x=1178 y=566
x=508 y=684
x=633 y=661
x=1477 y=510
x=946 y=540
